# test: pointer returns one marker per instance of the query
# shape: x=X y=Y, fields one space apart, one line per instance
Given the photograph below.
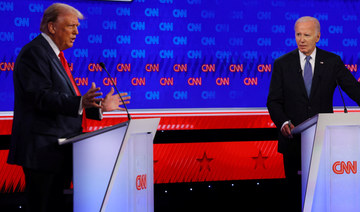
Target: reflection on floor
x=254 y=195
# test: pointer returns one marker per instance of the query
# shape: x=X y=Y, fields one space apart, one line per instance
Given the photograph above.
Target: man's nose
x=76 y=31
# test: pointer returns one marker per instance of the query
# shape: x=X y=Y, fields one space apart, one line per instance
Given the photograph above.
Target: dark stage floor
x=259 y=195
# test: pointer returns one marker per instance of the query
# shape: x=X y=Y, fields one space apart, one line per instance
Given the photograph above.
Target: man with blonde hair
x=48 y=105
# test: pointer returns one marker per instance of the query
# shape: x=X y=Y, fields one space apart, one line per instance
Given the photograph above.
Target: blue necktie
x=308 y=75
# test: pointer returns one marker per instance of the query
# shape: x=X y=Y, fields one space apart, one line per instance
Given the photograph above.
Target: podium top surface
x=329 y=119
x=89 y=134
x=306 y=124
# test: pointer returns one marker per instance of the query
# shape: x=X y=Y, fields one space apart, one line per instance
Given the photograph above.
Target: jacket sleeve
x=347 y=81
x=275 y=100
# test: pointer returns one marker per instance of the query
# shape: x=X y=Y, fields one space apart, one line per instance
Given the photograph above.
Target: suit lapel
x=319 y=63
x=297 y=68
x=57 y=64
x=61 y=70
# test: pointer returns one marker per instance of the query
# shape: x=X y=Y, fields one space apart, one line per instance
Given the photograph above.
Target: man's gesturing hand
x=112 y=101
x=89 y=99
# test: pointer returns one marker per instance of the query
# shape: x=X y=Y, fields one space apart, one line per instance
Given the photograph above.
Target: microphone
x=345 y=109
x=103 y=67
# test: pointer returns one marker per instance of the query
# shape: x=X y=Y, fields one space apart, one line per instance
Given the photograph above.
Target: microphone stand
x=342 y=98
x=127 y=111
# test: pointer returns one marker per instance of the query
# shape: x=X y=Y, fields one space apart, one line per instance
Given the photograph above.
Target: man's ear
x=318 y=37
x=51 y=28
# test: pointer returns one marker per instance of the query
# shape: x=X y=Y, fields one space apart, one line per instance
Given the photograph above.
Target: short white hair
x=308 y=19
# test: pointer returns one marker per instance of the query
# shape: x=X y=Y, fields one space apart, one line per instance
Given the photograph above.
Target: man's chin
x=70 y=45
x=304 y=51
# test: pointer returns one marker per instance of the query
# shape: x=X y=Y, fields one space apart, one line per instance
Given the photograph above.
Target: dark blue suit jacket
x=288 y=100
x=45 y=109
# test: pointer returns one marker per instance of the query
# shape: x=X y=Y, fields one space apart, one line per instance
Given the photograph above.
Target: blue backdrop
x=182 y=53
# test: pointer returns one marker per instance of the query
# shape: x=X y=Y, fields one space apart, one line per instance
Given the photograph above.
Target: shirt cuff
x=80 y=111
x=282 y=126
x=100 y=112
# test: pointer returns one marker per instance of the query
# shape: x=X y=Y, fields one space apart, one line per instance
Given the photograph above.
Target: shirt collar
x=51 y=43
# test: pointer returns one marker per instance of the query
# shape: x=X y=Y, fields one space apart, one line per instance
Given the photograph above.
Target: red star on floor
x=260 y=160
x=205 y=162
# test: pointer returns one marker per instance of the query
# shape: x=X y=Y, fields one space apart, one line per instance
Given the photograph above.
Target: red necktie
x=67 y=69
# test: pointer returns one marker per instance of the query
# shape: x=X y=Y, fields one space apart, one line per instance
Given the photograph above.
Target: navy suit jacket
x=288 y=100
x=45 y=109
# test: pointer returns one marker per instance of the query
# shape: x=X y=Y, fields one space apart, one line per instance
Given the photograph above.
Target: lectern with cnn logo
x=113 y=167
x=330 y=151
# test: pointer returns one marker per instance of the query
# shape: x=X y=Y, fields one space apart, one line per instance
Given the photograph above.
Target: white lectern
x=113 y=167
x=330 y=149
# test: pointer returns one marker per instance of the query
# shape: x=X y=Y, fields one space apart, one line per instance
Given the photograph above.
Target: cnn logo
x=141 y=182
x=339 y=167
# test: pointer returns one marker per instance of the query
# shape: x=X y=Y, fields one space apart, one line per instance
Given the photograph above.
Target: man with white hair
x=302 y=85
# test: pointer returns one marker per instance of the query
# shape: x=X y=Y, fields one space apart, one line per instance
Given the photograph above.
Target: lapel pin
x=321 y=62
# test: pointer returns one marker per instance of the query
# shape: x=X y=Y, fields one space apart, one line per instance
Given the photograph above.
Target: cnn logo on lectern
x=341 y=167
x=141 y=182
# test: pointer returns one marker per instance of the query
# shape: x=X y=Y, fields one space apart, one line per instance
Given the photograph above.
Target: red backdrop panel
x=217 y=161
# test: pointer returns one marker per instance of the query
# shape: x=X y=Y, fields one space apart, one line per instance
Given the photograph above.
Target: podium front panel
x=133 y=184
x=307 y=138
x=94 y=158
x=337 y=187
x=113 y=168
x=141 y=165
x=343 y=144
